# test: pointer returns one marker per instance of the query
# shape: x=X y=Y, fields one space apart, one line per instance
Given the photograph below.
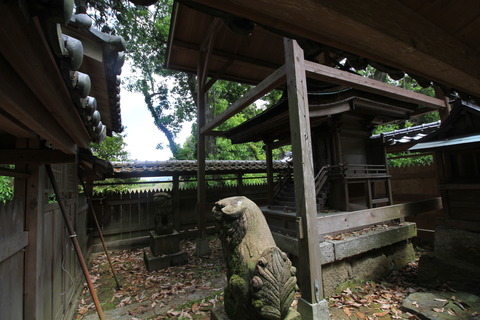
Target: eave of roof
x=189 y=167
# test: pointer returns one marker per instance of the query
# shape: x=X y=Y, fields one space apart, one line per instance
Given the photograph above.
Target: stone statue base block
x=317 y=311
x=218 y=313
x=164 y=244
x=203 y=247
x=164 y=261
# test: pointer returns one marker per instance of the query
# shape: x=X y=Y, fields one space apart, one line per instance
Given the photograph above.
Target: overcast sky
x=142 y=134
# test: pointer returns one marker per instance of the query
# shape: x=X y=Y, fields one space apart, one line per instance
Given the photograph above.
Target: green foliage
x=113 y=149
x=6 y=188
x=408 y=159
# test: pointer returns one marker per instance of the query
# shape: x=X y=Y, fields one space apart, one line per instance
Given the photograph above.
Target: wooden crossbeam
x=335 y=76
x=349 y=220
x=267 y=85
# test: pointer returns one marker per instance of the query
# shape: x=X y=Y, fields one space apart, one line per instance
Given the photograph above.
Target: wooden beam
x=267 y=85
x=37 y=156
x=13 y=173
x=331 y=223
x=383 y=31
x=332 y=75
x=329 y=110
x=244 y=60
x=20 y=103
x=310 y=271
x=13 y=127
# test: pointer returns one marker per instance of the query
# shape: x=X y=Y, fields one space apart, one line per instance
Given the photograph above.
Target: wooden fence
x=127 y=218
x=53 y=273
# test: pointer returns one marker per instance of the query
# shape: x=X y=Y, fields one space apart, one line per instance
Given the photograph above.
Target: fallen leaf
x=381 y=314
x=347 y=312
x=438 y=310
x=195 y=307
x=361 y=315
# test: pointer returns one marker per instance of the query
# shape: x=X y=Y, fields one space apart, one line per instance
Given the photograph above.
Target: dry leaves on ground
x=153 y=289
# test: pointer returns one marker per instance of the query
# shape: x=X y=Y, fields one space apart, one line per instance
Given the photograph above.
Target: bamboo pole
x=73 y=237
x=90 y=205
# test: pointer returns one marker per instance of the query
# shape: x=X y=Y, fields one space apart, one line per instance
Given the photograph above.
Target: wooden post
x=203 y=248
x=176 y=201
x=312 y=304
x=239 y=183
x=440 y=94
x=270 y=182
x=30 y=191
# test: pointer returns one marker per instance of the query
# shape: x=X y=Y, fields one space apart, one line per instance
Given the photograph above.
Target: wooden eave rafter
x=386 y=32
x=330 y=75
x=40 y=156
x=18 y=101
x=27 y=51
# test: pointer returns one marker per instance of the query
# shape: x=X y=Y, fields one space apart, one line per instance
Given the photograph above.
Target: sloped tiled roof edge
x=143 y=168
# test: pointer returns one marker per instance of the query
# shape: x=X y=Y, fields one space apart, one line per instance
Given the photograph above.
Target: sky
x=142 y=136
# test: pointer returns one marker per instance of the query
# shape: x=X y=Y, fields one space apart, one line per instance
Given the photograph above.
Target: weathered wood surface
x=264 y=87
x=13 y=239
x=332 y=75
x=331 y=223
x=310 y=273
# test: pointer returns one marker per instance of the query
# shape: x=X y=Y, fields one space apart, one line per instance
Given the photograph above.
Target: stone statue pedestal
x=164 y=248
x=164 y=251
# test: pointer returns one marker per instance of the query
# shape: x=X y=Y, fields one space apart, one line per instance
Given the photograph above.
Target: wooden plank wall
x=12 y=258
x=58 y=274
x=413 y=184
x=125 y=216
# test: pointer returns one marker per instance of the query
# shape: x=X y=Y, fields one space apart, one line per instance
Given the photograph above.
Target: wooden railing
x=364 y=170
x=283 y=179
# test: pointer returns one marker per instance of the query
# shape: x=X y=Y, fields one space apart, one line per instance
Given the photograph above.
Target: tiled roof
x=407 y=135
x=159 y=168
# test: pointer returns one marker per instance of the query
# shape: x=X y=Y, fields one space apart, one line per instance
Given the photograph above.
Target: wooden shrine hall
x=294 y=47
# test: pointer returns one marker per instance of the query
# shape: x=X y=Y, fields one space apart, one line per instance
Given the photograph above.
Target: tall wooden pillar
x=201 y=181
x=202 y=73
x=311 y=305
x=270 y=182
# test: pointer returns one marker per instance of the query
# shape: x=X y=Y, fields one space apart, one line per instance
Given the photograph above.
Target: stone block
x=163 y=261
x=203 y=247
x=315 y=311
x=164 y=244
x=373 y=240
x=334 y=274
x=327 y=252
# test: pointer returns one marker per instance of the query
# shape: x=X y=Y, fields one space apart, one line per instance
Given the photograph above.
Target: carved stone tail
x=274 y=284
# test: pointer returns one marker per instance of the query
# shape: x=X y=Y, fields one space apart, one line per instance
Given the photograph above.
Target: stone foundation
x=455 y=261
x=368 y=256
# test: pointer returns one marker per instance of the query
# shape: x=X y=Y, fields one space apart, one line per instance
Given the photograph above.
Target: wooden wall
x=14 y=239
x=413 y=184
x=39 y=271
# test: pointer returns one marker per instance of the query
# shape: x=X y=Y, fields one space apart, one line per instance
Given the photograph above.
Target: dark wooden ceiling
x=435 y=40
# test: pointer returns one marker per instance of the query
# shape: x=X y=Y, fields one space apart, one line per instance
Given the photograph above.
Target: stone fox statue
x=261 y=281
